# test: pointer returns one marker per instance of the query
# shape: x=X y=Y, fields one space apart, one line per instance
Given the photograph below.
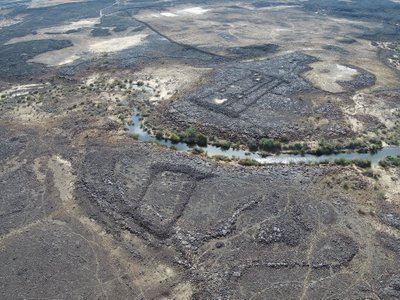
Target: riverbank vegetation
x=390 y=162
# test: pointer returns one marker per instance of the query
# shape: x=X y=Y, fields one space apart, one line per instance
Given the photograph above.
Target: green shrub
x=264 y=154
x=341 y=162
x=298 y=147
x=222 y=158
x=269 y=145
x=356 y=144
x=189 y=136
x=174 y=138
x=253 y=146
x=381 y=195
x=366 y=211
x=201 y=140
x=325 y=148
x=374 y=148
x=197 y=150
x=159 y=135
x=249 y=162
x=362 y=163
x=224 y=144
x=235 y=146
x=369 y=173
x=390 y=161
x=134 y=136
x=192 y=137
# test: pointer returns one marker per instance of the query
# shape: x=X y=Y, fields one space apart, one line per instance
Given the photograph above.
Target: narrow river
x=212 y=150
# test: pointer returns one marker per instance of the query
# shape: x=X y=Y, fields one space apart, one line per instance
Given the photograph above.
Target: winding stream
x=212 y=150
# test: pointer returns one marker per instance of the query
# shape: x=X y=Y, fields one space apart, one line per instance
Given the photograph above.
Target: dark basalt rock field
x=248 y=101
x=82 y=229
x=237 y=232
x=88 y=210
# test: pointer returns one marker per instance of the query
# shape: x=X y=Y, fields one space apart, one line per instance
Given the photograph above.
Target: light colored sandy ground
x=180 y=12
x=390 y=181
x=161 y=82
x=5 y=22
x=250 y=26
x=151 y=275
x=11 y=165
x=194 y=10
x=168 y=14
x=277 y=7
x=74 y=25
x=219 y=28
x=183 y=291
x=395 y=60
x=20 y=90
x=47 y=3
x=171 y=80
x=220 y=101
x=380 y=227
x=326 y=75
x=91 y=79
x=365 y=104
x=57 y=57
x=58 y=32
x=84 y=45
x=396 y=63
x=363 y=54
x=30 y=114
x=54 y=60
x=116 y=44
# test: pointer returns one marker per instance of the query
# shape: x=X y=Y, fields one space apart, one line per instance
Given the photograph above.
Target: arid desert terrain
x=195 y=149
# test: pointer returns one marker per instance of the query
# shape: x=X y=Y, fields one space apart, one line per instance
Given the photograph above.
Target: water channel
x=282 y=158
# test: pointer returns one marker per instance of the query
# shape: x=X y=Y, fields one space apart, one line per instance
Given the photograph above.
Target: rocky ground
x=111 y=217
x=89 y=212
x=252 y=100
